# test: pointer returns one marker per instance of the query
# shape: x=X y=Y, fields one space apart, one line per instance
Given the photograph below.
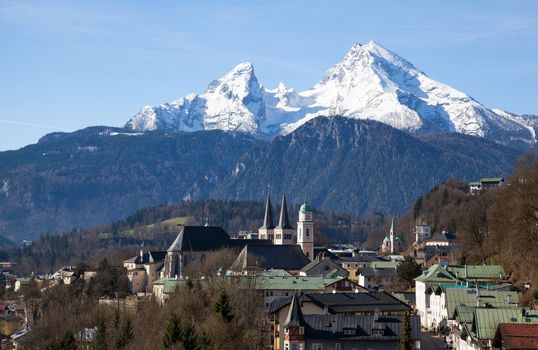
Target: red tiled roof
x=517 y=336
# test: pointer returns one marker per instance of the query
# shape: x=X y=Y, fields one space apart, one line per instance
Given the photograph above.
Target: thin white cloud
x=30 y=124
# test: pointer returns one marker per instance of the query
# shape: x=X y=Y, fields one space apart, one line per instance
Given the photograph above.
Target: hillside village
x=309 y=296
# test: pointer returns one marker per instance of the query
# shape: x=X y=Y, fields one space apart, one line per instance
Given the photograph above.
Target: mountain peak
x=371 y=82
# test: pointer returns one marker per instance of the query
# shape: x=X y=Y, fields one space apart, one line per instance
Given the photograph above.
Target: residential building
x=512 y=336
x=274 y=287
x=10 y=324
x=430 y=304
x=340 y=331
x=322 y=266
x=378 y=278
x=484 y=184
x=143 y=269
x=477 y=328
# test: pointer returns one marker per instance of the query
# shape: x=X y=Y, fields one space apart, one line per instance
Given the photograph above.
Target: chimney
x=508 y=299
x=465 y=271
x=477 y=302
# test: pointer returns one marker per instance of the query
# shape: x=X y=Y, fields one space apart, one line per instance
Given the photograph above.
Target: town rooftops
x=453 y=274
x=336 y=303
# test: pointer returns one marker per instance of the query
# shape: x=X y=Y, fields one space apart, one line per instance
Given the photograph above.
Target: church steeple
x=295 y=314
x=268 y=217
x=284 y=222
x=392 y=236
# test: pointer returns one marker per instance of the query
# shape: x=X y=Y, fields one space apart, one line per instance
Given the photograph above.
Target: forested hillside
x=497 y=226
x=157 y=227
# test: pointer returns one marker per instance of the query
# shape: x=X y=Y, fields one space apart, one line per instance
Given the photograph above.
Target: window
x=307 y=232
x=286 y=346
x=286 y=330
x=349 y=331
x=301 y=330
x=338 y=346
x=317 y=346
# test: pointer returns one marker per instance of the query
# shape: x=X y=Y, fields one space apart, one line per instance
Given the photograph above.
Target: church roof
x=200 y=238
x=284 y=222
x=268 y=217
x=265 y=257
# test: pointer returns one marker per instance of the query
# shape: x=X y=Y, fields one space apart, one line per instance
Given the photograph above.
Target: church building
x=284 y=233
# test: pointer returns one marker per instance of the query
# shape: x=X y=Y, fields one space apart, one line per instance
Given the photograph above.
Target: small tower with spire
x=284 y=232
x=392 y=237
x=266 y=231
x=294 y=326
x=305 y=230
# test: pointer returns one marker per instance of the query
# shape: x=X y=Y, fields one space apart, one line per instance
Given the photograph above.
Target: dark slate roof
x=265 y=257
x=207 y=238
x=284 y=222
x=381 y=272
x=268 y=217
x=295 y=315
x=200 y=238
x=359 y=327
x=348 y=302
x=149 y=257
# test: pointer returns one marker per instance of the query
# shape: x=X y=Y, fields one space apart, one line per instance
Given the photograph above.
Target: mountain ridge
x=371 y=82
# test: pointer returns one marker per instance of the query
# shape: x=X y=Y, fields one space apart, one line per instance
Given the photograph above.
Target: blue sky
x=67 y=65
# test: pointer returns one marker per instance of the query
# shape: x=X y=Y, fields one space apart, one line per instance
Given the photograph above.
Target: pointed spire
x=268 y=217
x=295 y=315
x=392 y=227
x=284 y=221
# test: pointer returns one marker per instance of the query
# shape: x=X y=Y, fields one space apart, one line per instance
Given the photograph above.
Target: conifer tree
x=125 y=336
x=223 y=308
x=99 y=343
x=172 y=332
x=405 y=334
x=189 y=339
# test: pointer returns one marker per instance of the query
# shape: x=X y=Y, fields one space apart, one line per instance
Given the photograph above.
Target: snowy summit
x=371 y=82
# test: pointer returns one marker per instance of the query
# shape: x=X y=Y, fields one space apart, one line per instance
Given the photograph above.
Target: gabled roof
x=200 y=238
x=478 y=272
x=295 y=315
x=284 y=221
x=298 y=283
x=359 y=327
x=268 y=217
x=469 y=297
x=264 y=257
x=348 y=302
x=516 y=336
x=486 y=320
x=378 y=272
x=436 y=275
x=323 y=267
x=148 y=257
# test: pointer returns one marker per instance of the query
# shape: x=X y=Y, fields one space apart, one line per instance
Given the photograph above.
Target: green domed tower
x=305 y=230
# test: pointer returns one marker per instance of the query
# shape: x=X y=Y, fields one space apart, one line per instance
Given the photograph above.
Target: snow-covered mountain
x=371 y=82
